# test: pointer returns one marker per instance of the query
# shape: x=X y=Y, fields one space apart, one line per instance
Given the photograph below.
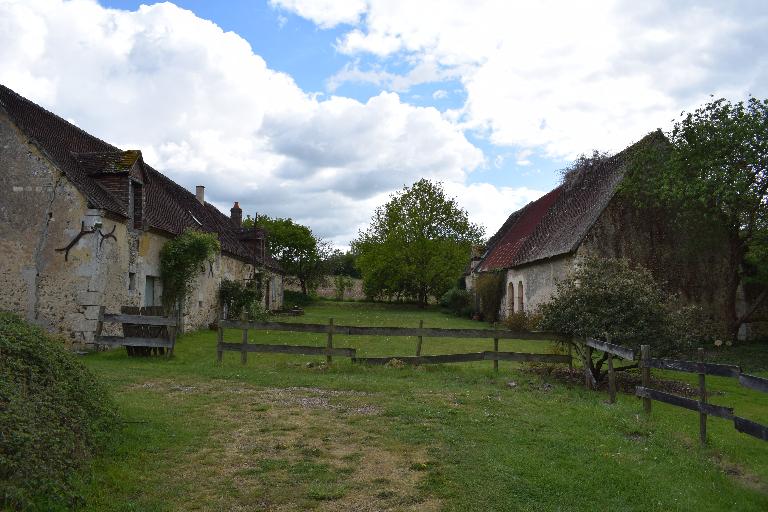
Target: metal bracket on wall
x=84 y=232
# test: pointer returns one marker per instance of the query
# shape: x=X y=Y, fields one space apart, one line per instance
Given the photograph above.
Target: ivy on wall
x=490 y=291
x=180 y=261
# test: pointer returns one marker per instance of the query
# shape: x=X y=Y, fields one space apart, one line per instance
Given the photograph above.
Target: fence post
x=329 y=344
x=495 y=349
x=243 y=349
x=645 y=355
x=587 y=373
x=421 y=338
x=219 y=337
x=611 y=381
x=702 y=398
x=570 y=355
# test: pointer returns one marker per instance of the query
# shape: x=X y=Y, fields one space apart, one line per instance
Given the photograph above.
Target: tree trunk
x=303 y=283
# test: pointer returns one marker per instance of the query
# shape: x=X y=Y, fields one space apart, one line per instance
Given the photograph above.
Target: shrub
x=55 y=415
x=490 y=289
x=457 y=301
x=242 y=297
x=610 y=300
x=523 y=321
x=291 y=298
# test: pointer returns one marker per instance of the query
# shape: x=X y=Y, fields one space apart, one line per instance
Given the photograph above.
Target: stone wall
x=328 y=290
x=538 y=281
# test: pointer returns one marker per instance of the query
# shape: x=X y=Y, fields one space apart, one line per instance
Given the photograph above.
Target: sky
x=318 y=110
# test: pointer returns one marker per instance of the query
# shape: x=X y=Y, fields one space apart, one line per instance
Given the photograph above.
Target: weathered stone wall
x=539 y=283
x=327 y=289
x=41 y=211
x=693 y=265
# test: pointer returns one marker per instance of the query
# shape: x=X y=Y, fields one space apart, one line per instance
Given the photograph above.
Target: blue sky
x=320 y=109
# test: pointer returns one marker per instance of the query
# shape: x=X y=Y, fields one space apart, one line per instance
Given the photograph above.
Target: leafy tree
x=609 y=300
x=714 y=173
x=341 y=263
x=417 y=244
x=299 y=251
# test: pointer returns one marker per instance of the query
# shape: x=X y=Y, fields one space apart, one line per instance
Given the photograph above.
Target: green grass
x=279 y=434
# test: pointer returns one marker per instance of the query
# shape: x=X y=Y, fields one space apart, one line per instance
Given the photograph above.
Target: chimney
x=236 y=214
x=200 y=193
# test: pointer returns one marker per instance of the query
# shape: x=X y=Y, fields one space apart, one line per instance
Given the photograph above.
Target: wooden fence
x=419 y=333
x=701 y=405
x=144 y=331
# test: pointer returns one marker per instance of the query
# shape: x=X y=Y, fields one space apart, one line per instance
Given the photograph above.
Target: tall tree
x=715 y=170
x=417 y=244
x=299 y=251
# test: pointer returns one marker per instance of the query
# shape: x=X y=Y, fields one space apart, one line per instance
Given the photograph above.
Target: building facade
x=82 y=224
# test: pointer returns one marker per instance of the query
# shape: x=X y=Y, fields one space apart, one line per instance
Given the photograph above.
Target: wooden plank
x=751 y=428
x=752 y=382
x=390 y=331
x=610 y=348
x=611 y=380
x=289 y=349
x=118 y=341
x=686 y=403
x=702 y=397
x=139 y=319
x=720 y=370
x=523 y=356
x=329 y=342
x=437 y=359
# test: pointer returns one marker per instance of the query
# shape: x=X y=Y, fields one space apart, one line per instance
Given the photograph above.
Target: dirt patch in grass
x=298 y=448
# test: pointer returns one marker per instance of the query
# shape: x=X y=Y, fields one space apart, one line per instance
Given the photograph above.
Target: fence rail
x=419 y=333
x=142 y=334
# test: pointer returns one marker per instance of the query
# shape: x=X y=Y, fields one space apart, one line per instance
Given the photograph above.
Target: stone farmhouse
x=82 y=224
x=541 y=243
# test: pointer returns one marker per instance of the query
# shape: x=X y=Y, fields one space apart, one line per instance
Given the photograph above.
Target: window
x=511 y=298
x=149 y=291
x=131 y=281
x=520 y=296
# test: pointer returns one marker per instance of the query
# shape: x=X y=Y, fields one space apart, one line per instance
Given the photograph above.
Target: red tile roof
x=80 y=156
x=556 y=223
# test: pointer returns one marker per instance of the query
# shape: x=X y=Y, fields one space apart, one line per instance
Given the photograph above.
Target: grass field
x=281 y=434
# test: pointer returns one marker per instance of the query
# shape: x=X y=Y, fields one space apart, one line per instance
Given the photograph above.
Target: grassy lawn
x=281 y=434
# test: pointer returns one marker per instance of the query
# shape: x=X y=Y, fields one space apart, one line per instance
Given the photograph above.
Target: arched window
x=511 y=298
x=520 y=296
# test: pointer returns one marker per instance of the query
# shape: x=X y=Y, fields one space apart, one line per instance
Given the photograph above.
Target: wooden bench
x=145 y=331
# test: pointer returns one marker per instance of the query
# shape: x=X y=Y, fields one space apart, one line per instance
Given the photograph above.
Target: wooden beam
x=390 y=331
x=610 y=348
x=720 y=370
x=464 y=358
x=686 y=403
x=751 y=428
x=752 y=382
x=117 y=341
x=289 y=349
x=139 y=319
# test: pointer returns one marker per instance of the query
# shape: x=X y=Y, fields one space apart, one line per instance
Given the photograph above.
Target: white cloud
x=440 y=94
x=566 y=76
x=206 y=110
x=325 y=13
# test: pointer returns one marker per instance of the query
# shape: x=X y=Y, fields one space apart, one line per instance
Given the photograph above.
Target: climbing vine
x=180 y=261
x=240 y=297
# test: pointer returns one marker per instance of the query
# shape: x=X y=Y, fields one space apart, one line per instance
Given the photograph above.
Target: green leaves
x=417 y=244
x=180 y=261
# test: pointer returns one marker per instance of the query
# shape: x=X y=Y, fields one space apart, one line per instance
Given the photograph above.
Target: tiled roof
x=556 y=223
x=168 y=206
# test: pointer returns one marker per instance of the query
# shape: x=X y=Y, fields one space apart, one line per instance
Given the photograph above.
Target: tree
x=609 y=300
x=417 y=244
x=341 y=263
x=714 y=171
x=299 y=252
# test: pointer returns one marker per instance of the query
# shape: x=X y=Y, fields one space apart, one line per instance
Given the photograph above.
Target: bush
x=457 y=301
x=490 y=288
x=609 y=300
x=239 y=297
x=55 y=415
x=291 y=298
x=523 y=321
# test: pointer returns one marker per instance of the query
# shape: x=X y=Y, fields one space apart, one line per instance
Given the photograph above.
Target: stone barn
x=82 y=224
x=587 y=215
